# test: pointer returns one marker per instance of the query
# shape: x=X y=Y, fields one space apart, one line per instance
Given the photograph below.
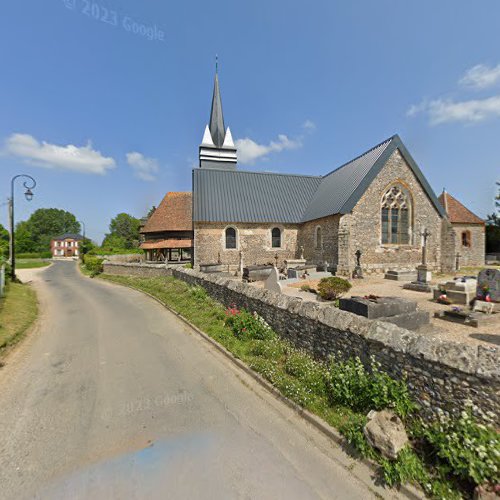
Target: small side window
x=276 y=237
x=230 y=238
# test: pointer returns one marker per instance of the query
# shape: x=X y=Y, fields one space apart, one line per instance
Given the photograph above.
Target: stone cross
x=425 y=235
x=276 y=260
x=302 y=252
x=457 y=261
x=218 y=258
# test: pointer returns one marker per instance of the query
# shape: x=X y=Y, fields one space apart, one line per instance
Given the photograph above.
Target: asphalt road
x=112 y=397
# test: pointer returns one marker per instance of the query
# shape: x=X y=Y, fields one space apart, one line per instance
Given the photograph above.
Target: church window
x=466 y=239
x=396 y=216
x=230 y=238
x=276 y=237
x=318 y=239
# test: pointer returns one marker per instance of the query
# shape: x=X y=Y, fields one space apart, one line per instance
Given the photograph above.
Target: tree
x=34 y=235
x=493 y=227
x=124 y=232
x=4 y=242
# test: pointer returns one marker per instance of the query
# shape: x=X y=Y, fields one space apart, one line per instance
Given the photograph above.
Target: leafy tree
x=124 y=232
x=4 y=242
x=493 y=227
x=34 y=235
x=152 y=210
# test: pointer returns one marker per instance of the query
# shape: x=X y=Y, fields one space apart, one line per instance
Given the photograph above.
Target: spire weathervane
x=216 y=63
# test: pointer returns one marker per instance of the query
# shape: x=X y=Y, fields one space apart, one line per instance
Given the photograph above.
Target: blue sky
x=108 y=120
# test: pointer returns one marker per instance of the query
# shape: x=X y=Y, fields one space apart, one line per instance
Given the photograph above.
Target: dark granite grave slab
x=378 y=308
x=411 y=321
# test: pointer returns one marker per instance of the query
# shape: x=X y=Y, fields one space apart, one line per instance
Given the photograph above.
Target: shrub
x=273 y=349
x=93 y=264
x=247 y=325
x=350 y=384
x=34 y=255
x=333 y=288
x=198 y=293
x=470 y=450
x=352 y=430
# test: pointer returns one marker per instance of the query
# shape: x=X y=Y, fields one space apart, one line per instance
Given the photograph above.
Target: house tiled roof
x=173 y=214
x=171 y=243
x=68 y=236
x=457 y=213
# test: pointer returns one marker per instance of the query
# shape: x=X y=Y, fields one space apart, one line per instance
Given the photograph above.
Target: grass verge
x=18 y=311
x=341 y=393
x=31 y=263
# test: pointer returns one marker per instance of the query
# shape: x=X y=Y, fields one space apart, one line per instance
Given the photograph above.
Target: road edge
x=409 y=491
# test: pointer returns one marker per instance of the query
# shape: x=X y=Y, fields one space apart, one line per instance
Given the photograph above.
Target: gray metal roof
x=217 y=129
x=243 y=196
x=338 y=186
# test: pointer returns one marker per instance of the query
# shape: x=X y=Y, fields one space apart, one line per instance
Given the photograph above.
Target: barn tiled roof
x=170 y=243
x=457 y=213
x=242 y=196
x=173 y=214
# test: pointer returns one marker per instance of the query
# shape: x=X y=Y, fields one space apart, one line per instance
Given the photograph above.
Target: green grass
x=18 y=311
x=31 y=263
x=298 y=377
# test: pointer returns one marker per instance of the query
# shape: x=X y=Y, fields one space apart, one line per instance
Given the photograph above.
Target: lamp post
x=28 y=194
x=83 y=242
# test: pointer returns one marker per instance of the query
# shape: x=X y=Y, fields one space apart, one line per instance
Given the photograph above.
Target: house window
x=318 y=239
x=396 y=216
x=466 y=239
x=276 y=237
x=230 y=238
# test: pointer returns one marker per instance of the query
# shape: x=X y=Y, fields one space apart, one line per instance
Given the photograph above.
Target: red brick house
x=168 y=233
x=66 y=245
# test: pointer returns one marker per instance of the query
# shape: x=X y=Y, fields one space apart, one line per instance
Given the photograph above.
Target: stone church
x=379 y=203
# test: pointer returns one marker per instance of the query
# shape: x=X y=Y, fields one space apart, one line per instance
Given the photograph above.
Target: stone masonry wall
x=365 y=223
x=328 y=250
x=441 y=374
x=141 y=270
x=253 y=240
x=474 y=255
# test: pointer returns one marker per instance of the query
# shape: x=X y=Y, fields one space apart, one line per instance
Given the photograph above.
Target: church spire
x=217 y=129
x=217 y=149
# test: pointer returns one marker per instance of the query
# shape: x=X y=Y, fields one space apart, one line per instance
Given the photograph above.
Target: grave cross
x=425 y=235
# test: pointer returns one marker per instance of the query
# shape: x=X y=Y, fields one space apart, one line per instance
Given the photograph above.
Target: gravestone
x=292 y=274
x=272 y=283
x=401 y=312
x=401 y=275
x=457 y=291
x=488 y=285
x=358 y=271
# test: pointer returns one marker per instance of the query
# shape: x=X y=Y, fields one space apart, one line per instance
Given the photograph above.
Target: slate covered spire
x=217 y=149
x=217 y=128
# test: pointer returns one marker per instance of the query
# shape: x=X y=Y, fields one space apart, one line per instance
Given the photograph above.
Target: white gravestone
x=272 y=283
x=488 y=285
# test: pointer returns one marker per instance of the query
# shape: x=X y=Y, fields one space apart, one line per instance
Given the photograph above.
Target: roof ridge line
x=257 y=172
x=389 y=139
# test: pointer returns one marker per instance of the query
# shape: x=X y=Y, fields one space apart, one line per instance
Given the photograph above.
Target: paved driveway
x=114 y=397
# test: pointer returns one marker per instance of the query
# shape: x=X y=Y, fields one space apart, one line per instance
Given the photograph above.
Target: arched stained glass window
x=396 y=216
x=276 y=237
x=230 y=237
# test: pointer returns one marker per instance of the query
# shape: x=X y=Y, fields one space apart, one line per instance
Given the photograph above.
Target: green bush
x=333 y=288
x=350 y=384
x=352 y=430
x=93 y=264
x=467 y=449
x=269 y=349
x=248 y=326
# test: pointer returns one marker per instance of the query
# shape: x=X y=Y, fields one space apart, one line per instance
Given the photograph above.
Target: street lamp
x=83 y=242
x=28 y=194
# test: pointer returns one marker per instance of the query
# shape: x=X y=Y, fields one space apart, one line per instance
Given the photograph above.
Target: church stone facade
x=379 y=204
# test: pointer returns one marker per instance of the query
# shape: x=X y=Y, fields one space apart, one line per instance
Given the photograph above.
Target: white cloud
x=309 y=125
x=144 y=168
x=481 y=77
x=77 y=159
x=249 y=150
x=446 y=110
